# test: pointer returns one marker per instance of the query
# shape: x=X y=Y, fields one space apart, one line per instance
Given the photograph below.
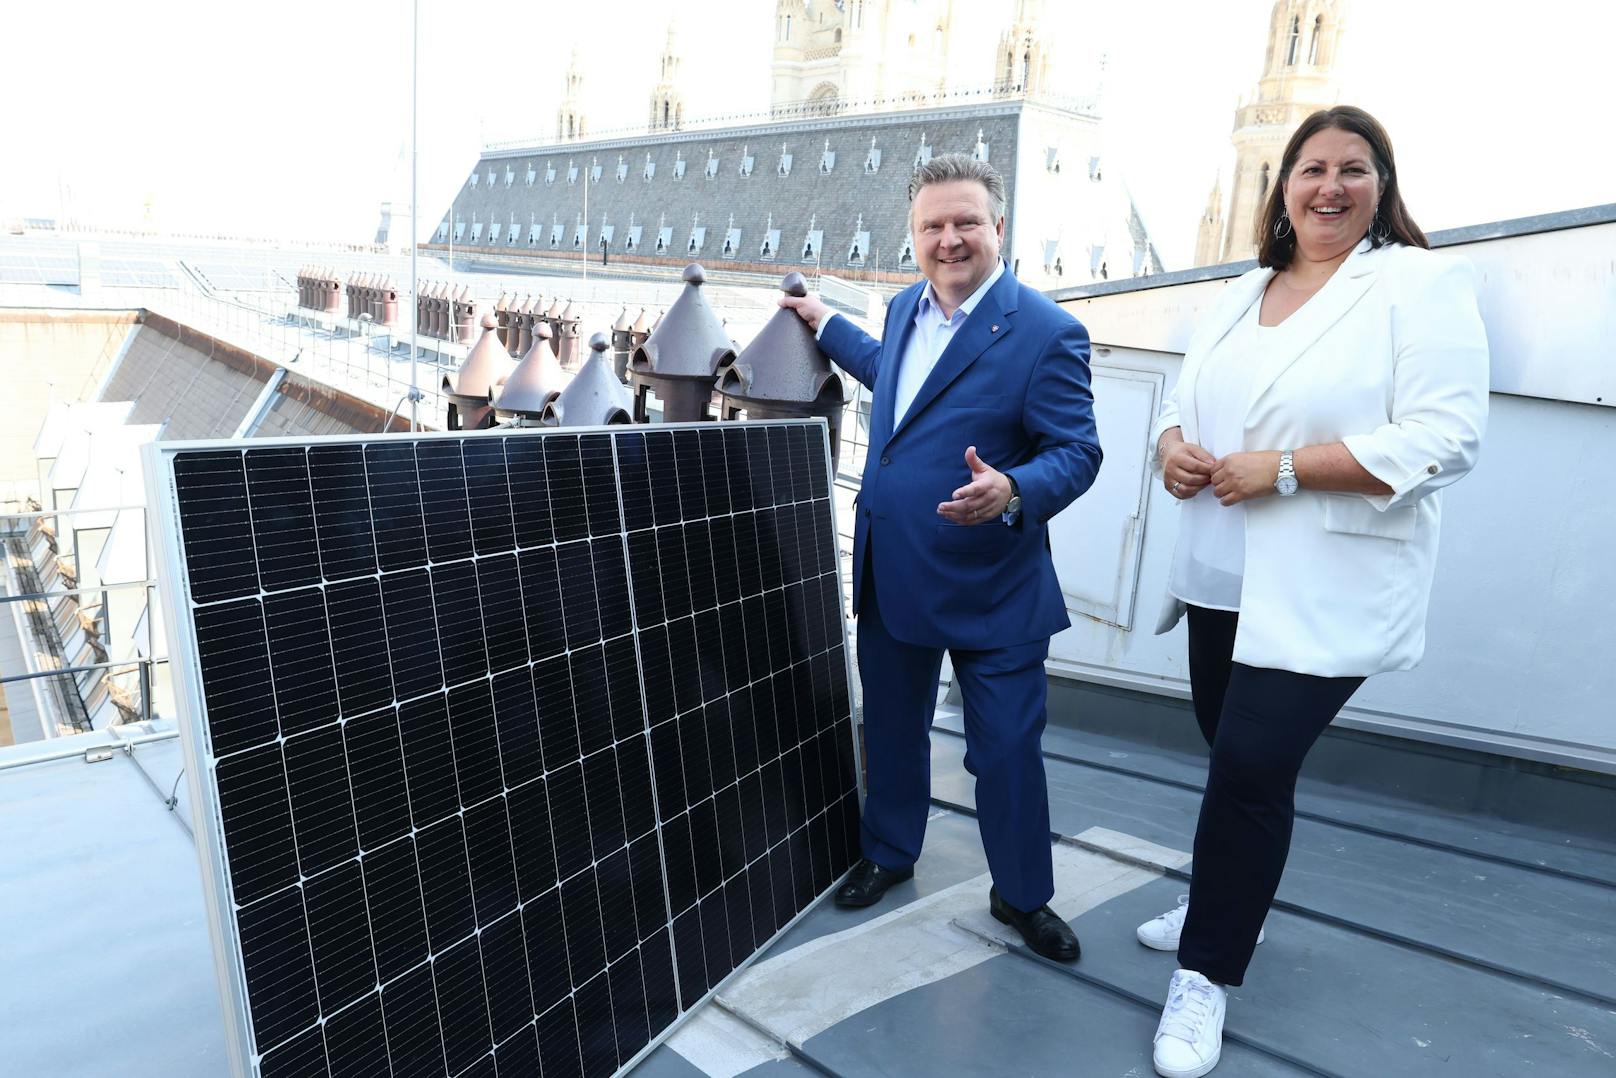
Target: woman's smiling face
x=1332 y=193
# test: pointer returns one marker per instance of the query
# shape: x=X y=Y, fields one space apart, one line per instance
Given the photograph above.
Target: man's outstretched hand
x=983 y=498
x=809 y=308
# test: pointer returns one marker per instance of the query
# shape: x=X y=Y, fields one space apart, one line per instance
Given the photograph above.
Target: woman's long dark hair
x=1392 y=222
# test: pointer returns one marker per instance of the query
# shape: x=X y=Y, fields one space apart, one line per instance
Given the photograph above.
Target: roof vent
x=679 y=359
x=595 y=397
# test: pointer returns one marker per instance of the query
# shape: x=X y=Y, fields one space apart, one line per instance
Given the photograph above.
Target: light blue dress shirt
x=930 y=339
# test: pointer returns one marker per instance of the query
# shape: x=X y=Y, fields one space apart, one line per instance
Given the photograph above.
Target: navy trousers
x=1260 y=725
x=1004 y=693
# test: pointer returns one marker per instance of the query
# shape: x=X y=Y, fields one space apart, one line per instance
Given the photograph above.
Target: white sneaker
x=1189 y=1040
x=1161 y=933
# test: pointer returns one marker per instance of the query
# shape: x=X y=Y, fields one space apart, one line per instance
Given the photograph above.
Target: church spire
x=1298 y=79
x=1023 y=61
x=667 y=108
x=570 y=121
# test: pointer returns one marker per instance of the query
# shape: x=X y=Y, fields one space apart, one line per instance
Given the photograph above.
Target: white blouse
x=1210 y=561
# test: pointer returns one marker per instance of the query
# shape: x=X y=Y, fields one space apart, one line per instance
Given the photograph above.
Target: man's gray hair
x=951 y=167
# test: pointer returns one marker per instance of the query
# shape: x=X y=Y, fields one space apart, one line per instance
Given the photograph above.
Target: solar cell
x=510 y=747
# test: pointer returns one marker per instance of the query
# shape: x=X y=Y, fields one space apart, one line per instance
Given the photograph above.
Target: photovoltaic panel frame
x=508 y=747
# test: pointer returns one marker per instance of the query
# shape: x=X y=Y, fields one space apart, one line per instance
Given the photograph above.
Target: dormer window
x=1052 y=159
x=980 y=151
x=771 y=245
x=784 y=168
x=579 y=231
x=622 y=169
x=514 y=235
x=923 y=153
x=595 y=172
x=712 y=165
x=872 y=160
x=650 y=169
x=698 y=236
x=732 y=239
x=859 y=249
x=813 y=244
x=510 y=175
x=556 y=231
x=631 y=242
x=679 y=166
x=490 y=176
x=1094 y=169
x=1052 y=258
x=827 y=159
x=549 y=175
x=906 y=257
x=664 y=239
x=443 y=231
x=493 y=232
x=1097 y=260
x=572 y=174
x=532 y=174
x=476 y=231
x=475 y=176
x=747 y=161
x=533 y=231
x=460 y=231
x=607 y=234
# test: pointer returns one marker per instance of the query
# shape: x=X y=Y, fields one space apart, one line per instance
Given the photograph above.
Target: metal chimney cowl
x=595 y=397
x=681 y=356
x=537 y=380
x=783 y=374
x=487 y=367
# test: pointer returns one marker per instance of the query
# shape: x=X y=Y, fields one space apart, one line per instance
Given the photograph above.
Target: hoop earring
x=1282 y=227
x=1379 y=233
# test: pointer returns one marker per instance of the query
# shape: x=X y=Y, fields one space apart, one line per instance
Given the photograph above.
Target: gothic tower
x=570 y=121
x=667 y=110
x=791 y=33
x=1022 y=62
x=1297 y=80
x=1209 y=237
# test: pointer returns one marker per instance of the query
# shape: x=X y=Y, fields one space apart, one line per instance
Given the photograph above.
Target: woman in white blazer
x=1323 y=404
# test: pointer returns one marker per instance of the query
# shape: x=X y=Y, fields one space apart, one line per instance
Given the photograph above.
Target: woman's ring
x=1175 y=486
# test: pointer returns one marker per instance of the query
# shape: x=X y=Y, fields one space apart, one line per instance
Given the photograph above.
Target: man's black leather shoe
x=1042 y=929
x=867 y=882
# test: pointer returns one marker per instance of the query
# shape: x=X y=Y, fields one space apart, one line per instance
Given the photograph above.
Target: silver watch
x=1285 y=484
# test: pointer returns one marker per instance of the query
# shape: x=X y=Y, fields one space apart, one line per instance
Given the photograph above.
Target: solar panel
x=508 y=747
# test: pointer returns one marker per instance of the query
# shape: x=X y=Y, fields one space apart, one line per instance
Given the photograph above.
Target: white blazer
x=1389 y=357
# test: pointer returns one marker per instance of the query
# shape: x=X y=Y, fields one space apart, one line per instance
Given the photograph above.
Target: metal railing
x=65 y=678
x=353 y=355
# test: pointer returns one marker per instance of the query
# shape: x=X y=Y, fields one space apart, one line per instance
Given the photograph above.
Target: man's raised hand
x=983 y=498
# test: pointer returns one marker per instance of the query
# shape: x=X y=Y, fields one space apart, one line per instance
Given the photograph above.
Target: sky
x=293 y=119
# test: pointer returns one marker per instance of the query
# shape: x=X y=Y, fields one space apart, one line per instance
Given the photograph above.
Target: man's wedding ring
x=1175 y=486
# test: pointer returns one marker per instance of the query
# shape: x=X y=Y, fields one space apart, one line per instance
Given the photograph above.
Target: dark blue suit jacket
x=1014 y=382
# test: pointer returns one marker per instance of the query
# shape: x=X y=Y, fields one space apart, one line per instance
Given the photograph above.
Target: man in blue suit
x=981 y=430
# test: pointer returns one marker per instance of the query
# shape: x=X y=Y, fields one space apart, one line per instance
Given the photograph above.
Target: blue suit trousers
x=1004 y=693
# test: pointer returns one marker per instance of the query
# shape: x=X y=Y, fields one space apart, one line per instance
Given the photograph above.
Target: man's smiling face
x=957 y=238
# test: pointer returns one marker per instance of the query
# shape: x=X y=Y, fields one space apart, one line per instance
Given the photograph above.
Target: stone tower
x=667 y=109
x=1021 y=66
x=570 y=121
x=1209 y=236
x=858 y=55
x=1297 y=79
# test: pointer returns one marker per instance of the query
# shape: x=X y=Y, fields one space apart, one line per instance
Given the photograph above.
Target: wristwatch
x=1285 y=484
x=1012 y=508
